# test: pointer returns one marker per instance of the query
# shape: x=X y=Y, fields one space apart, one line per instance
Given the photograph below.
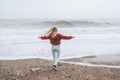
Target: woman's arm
x=66 y=37
x=43 y=37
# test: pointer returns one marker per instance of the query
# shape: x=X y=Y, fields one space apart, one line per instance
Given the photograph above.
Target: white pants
x=56 y=54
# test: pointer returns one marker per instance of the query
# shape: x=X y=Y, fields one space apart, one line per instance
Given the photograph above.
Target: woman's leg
x=56 y=54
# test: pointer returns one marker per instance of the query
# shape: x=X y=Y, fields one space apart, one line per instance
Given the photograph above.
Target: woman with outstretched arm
x=55 y=40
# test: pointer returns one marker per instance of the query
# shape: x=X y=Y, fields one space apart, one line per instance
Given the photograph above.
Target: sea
x=19 y=38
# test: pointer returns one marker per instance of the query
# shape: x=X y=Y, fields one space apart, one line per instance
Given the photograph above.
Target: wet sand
x=101 y=60
x=39 y=69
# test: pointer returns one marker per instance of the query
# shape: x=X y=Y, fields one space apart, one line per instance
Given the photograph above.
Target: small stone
x=34 y=69
x=20 y=74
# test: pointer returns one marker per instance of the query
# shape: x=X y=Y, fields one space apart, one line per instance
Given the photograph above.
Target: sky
x=59 y=9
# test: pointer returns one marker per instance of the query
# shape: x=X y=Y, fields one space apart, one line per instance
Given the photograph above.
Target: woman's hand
x=40 y=37
x=73 y=37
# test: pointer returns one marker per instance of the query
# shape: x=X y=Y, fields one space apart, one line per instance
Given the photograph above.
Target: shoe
x=54 y=67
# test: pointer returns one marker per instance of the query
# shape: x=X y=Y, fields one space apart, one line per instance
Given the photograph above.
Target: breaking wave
x=19 y=23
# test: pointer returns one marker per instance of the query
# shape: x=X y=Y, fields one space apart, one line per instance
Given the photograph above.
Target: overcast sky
x=60 y=9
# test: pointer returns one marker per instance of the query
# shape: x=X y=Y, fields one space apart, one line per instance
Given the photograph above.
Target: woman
x=55 y=40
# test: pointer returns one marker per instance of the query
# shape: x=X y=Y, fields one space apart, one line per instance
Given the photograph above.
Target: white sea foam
x=92 y=65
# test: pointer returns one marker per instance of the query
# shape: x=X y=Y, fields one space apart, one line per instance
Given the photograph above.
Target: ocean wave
x=16 y=23
x=70 y=22
x=63 y=23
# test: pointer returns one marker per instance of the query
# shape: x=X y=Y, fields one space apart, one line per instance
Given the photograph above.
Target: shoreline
x=96 y=60
x=40 y=69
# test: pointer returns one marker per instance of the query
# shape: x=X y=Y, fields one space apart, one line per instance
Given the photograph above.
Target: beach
x=40 y=69
x=93 y=54
x=59 y=40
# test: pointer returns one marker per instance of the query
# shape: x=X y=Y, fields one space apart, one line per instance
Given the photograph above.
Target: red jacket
x=57 y=39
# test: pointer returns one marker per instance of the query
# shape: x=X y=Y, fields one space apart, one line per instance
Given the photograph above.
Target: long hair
x=50 y=32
